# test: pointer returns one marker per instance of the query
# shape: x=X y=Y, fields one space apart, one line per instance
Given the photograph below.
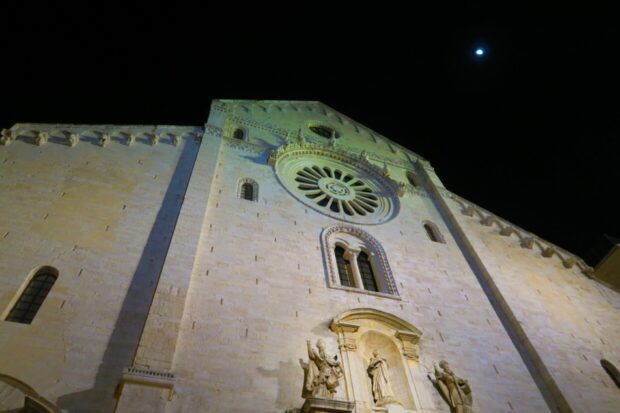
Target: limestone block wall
x=572 y=321
x=102 y=213
x=259 y=290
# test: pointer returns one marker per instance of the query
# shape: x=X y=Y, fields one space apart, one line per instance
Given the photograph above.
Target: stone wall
x=103 y=217
x=259 y=290
x=572 y=321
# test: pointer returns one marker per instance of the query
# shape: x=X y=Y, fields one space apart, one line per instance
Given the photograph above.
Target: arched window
x=28 y=304
x=343 y=267
x=247 y=192
x=356 y=261
x=612 y=371
x=368 y=276
x=247 y=189
x=413 y=180
x=433 y=233
x=239 y=134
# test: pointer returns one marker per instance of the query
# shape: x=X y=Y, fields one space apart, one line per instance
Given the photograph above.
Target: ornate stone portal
x=455 y=390
x=379 y=370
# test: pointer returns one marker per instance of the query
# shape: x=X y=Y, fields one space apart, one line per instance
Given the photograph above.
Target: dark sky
x=529 y=132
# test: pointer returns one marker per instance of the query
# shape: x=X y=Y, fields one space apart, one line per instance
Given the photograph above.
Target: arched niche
x=363 y=330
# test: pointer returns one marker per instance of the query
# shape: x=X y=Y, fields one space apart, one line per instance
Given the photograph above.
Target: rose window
x=339 y=191
x=330 y=182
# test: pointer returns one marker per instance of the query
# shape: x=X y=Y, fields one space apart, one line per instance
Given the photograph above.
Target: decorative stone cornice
x=102 y=135
x=228 y=106
x=7 y=136
x=148 y=377
x=41 y=138
x=131 y=138
x=73 y=139
x=527 y=240
x=213 y=130
x=104 y=139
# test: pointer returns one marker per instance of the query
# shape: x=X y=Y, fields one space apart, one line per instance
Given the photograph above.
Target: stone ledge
x=327 y=406
x=147 y=377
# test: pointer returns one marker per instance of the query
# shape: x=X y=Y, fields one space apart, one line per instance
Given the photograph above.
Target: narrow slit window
x=613 y=372
x=343 y=267
x=433 y=233
x=33 y=296
x=366 y=272
x=412 y=179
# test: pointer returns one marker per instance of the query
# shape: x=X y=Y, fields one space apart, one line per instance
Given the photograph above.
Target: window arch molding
x=358 y=240
x=241 y=190
x=42 y=291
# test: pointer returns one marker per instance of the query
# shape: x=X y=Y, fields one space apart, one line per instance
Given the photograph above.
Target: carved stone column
x=347 y=343
x=351 y=256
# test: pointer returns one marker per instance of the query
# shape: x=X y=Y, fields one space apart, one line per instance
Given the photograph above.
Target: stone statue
x=321 y=374
x=455 y=390
x=378 y=372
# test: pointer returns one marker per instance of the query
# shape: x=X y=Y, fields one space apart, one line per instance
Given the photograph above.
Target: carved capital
x=154 y=139
x=409 y=343
x=131 y=138
x=176 y=139
x=7 y=137
x=346 y=334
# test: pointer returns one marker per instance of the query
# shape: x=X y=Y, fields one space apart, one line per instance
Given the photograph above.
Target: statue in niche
x=378 y=372
x=321 y=373
x=455 y=390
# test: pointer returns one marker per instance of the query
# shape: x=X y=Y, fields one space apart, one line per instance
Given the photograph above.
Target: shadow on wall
x=289 y=385
x=126 y=334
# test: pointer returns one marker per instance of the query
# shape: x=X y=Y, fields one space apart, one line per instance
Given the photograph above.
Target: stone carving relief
x=381 y=389
x=380 y=362
x=321 y=374
x=454 y=390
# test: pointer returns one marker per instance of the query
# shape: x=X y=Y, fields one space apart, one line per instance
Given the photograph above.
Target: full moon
x=479 y=51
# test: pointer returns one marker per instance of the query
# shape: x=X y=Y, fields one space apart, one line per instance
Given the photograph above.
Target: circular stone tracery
x=338 y=191
x=325 y=181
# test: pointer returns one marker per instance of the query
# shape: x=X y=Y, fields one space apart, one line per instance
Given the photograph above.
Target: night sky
x=530 y=131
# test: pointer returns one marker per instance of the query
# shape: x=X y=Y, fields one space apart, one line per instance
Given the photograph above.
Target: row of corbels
x=73 y=138
x=526 y=240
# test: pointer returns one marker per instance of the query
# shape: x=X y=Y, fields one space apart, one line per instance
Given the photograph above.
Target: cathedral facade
x=281 y=258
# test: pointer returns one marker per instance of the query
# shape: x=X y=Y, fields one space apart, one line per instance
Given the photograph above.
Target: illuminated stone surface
x=175 y=295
